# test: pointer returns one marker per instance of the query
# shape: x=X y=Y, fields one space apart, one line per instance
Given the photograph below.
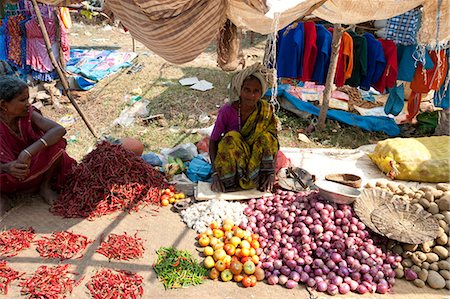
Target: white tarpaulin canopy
x=179 y=30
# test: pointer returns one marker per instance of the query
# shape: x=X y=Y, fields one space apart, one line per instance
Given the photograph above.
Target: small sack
x=199 y=170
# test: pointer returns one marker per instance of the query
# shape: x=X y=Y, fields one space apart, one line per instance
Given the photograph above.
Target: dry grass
x=180 y=105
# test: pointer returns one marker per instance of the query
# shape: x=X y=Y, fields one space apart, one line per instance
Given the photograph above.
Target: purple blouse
x=227 y=120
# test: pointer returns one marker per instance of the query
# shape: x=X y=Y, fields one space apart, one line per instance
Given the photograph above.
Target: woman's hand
x=24 y=158
x=17 y=169
x=267 y=182
x=216 y=185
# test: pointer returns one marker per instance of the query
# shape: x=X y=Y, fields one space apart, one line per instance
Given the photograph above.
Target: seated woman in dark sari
x=244 y=142
x=32 y=147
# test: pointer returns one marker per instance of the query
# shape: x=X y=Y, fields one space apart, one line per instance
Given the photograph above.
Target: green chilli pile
x=178 y=269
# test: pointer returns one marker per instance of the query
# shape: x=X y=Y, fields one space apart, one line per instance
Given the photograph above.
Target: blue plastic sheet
x=369 y=123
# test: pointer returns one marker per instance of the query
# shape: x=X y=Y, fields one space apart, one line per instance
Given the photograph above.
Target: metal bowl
x=337 y=193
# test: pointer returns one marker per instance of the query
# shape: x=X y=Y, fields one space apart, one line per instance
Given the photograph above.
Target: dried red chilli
x=14 y=240
x=118 y=284
x=108 y=179
x=62 y=245
x=122 y=247
x=48 y=282
x=6 y=276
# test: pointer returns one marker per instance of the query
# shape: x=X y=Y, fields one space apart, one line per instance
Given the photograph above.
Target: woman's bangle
x=27 y=152
x=43 y=141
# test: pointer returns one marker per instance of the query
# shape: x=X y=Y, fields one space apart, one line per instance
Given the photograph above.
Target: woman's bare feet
x=48 y=195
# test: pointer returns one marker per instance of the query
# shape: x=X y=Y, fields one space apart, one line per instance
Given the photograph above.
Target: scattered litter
x=202 y=85
x=67 y=120
x=204 y=118
x=137 y=91
x=188 y=81
x=135 y=68
x=107 y=28
x=128 y=115
x=87 y=33
x=303 y=138
x=100 y=40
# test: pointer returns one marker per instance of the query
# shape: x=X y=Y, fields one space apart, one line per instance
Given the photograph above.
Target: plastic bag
x=185 y=152
x=199 y=170
x=152 y=159
x=423 y=159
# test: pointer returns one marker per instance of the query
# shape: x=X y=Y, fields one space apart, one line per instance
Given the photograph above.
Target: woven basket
x=370 y=200
x=405 y=223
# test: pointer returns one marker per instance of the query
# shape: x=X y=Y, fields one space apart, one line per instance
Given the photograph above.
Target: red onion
x=332 y=289
x=285 y=270
x=290 y=284
x=410 y=274
x=278 y=264
x=304 y=277
x=382 y=288
x=335 y=257
x=353 y=285
x=282 y=279
x=295 y=276
x=344 y=288
x=362 y=289
x=322 y=286
x=337 y=280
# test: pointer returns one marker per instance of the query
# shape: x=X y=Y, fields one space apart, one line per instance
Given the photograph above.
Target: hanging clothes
x=427 y=80
x=408 y=60
x=344 y=65
x=376 y=64
x=15 y=39
x=323 y=42
x=3 y=47
x=359 y=59
x=65 y=17
x=37 y=56
x=310 y=51
x=290 y=54
x=389 y=77
x=403 y=29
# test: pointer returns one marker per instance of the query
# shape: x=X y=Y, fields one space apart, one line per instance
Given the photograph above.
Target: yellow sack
x=425 y=159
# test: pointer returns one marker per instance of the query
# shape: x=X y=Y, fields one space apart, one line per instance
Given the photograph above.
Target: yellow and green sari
x=242 y=157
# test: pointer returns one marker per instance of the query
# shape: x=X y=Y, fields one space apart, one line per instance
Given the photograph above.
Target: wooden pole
x=133 y=44
x=335 y=45
x=61 y=74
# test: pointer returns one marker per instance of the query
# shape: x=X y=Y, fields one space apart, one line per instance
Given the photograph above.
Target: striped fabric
x=178 y=31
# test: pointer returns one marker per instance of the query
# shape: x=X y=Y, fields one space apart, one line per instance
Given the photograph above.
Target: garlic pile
x=200 y=215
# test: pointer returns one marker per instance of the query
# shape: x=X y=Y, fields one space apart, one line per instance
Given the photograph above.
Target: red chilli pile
x=122 y=247
x=120 y=284
x=109 y=179
x=48 y=282
x=6 y=276
x=319 y=244
x=62 y=245
x=14 y=240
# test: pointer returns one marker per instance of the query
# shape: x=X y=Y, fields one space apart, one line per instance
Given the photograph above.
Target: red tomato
x=236 y=267
x=247 y=281
x=253 y=280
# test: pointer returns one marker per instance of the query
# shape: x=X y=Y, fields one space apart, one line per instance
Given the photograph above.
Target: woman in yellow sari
x=244 y=142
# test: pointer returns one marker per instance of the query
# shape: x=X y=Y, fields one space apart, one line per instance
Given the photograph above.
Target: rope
x=271 y=58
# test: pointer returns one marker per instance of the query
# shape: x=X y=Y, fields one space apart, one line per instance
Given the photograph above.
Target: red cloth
x=12 y=144
x=310 y=51
x=424 y=81
x=389 y=77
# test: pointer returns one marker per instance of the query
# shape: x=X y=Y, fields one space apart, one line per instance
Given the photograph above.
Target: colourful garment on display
x=359 y=59
x=408 y=59
x=389 y=77
x=323 y=41
x=423 y=82
x=243 y=156
x=290 y=53
x=403 y=29
x=15 y=39
x=37 y=56
x=344 y=67
x=11 y=146
x=3 y=45
x=310 y=51
x=376 y=62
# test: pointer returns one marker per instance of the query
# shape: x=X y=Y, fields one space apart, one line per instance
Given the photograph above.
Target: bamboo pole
x=61 y=74
x=133 y=44
x=335 y=45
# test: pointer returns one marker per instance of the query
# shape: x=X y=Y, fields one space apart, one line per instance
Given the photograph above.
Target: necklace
x=239 y=115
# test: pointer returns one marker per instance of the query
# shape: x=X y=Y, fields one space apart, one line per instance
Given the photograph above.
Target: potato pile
x=427 y=263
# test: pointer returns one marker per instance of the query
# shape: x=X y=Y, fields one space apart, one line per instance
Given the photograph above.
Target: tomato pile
x=169 y=196
x=231 y=253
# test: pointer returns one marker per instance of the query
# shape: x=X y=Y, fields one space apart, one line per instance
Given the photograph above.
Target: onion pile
x=319 y=244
